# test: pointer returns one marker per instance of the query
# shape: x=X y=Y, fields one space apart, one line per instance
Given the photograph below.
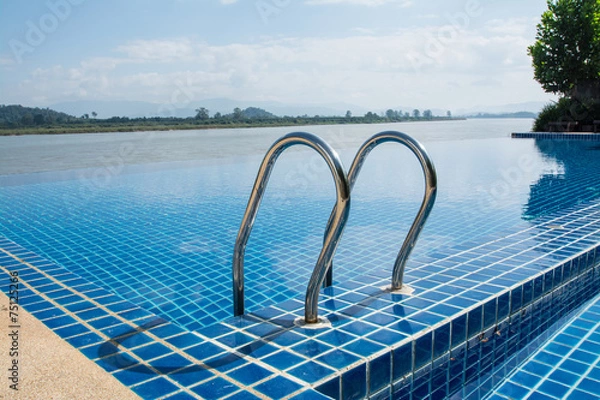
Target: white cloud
x=6 y=61
x=515 y=26
x=158 y=50
x=418 y=67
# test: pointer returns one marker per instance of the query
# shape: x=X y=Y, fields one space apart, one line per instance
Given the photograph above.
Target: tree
x=449 y=114
x=238 y=113
x=348 y=114
x=416 y=114
x=27 y=119
x=218 y=115
x=38 y=119
x=202 y=114
x=391 y=114
x=427 y=114
x=566 y=54
x=94 y=114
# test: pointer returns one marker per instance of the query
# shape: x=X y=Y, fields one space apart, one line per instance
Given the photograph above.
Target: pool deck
x=50 y=368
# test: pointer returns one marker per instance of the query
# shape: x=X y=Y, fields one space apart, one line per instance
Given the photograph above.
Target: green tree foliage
x=14 y=116
x=17 y=119
x=238 y=114
x=38 y=119
x=202 y=114
x=566 y=54
x=427 y=114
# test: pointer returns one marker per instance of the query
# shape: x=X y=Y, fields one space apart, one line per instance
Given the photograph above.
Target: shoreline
x=62 y=130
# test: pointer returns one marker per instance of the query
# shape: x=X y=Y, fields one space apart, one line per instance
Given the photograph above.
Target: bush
x=567 y=110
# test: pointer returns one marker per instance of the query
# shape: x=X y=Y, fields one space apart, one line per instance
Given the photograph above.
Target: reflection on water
x=576 y=182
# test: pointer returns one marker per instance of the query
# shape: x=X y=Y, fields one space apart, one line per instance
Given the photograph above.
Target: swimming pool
x=160 y=235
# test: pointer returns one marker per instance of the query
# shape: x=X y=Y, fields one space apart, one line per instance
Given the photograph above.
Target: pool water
x=161 y=235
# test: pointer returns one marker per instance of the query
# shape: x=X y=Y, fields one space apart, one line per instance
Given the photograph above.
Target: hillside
x=14 y=116
x=257 y=113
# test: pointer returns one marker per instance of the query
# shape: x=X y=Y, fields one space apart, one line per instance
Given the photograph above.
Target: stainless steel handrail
x=426 y=206
x=335 y=227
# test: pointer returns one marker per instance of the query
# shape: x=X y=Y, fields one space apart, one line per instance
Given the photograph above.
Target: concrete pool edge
x=49 y=367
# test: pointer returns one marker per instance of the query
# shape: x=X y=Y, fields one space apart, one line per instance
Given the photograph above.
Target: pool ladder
x=322 y=274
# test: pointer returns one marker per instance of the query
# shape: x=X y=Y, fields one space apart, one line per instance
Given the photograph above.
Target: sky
x=447 y=54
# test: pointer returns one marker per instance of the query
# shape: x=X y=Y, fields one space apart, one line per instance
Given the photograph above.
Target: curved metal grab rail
x=335 y=226
x=426 y=206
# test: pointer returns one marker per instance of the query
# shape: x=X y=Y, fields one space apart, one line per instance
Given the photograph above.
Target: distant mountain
x=138 y=109
x=532 y=107
x=522 y=114
x=257 y=113
x=108 y=109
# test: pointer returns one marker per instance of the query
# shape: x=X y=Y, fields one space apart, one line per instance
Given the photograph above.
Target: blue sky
x=379 y=54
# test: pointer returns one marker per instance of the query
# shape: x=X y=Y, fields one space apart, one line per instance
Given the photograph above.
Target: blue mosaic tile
x=116 y=361
x=250 y=374
x=283 y=360
x=215 y=388
x=311 y=372
x=84 y=340
x=386 y=337
x=423 y=347
x=277 y=387
x=204 y=351
x=338 y=359
x=310 y=395
x=191 y=375
x=156 y=388
x=71 y=331
x=244 y=395
x=135 y=375
x=331 y=388
x=354 y=383
x=363 y=347
x=170 y=363
x=311 y=348
x=225 y=362
x=181 y=396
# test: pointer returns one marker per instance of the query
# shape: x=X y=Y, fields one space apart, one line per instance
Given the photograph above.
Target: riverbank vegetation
x=566 y=61
x=19 y=120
